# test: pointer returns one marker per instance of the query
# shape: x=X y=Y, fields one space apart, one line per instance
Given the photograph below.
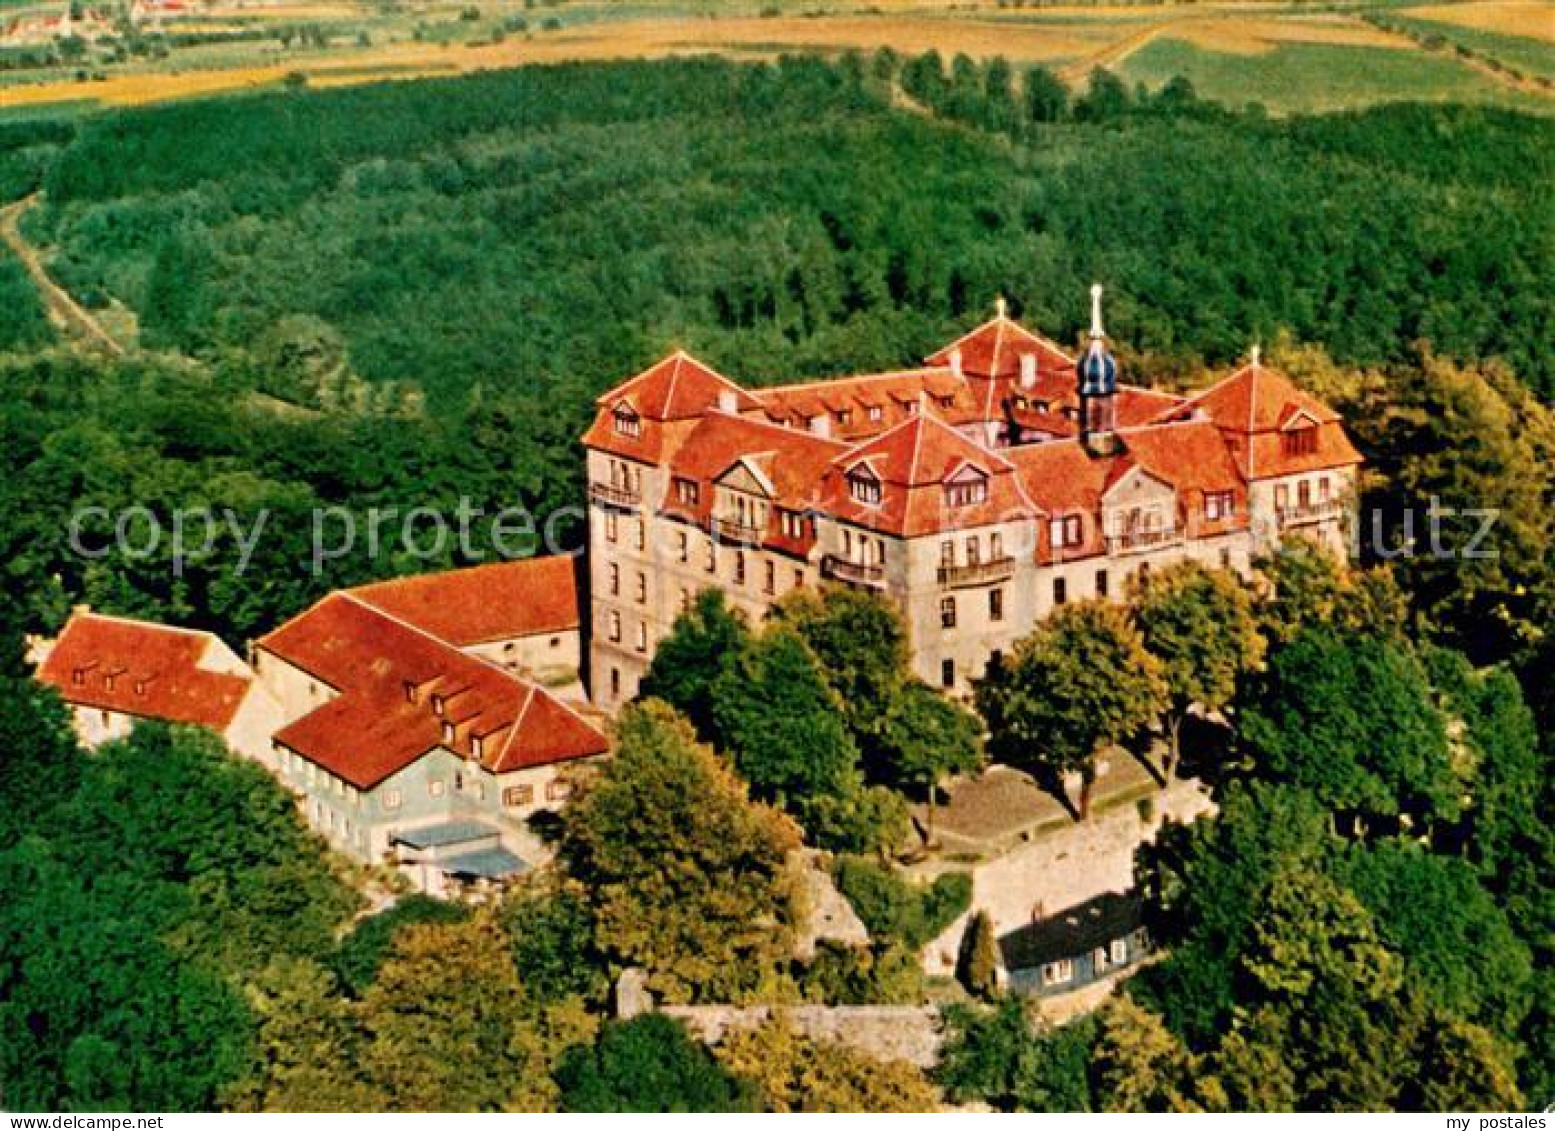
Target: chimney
x=955 y=362
x=820 y=424
x=729 y=401
x=1028 y=371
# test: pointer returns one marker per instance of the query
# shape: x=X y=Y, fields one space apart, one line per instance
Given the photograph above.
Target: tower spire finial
x=1000 y=307
x=1096 y=330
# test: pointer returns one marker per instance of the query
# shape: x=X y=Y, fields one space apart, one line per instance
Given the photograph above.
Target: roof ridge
x=161 y=626
x=850 y=378
x=473 y=657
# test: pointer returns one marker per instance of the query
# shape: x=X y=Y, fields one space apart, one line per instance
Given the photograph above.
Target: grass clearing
x=1317 y=77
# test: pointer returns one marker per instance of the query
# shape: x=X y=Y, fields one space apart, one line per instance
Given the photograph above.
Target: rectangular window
x=1101 y=583
x=1065 y=531
x=947 y=673
x=1281 y=496
x=1058 y=973
x=684 y=542
x=615 y=683
x=391 y=799
x=435 y=787
x=1060 y=591
x=641 y=526
x=798 y=579
x=1304 y=494
x=642 y=636
x=687 y=491
x=1119 y=952
x=615 y=580
x=973 y=551
x=947 y=612
x=947 y=554
x=875 y=412
x=642 y=588
x=515 y=795
x=558 y=790
x=967 y=493
x=1322 y=489
x=769 y=581
x=1218 y=505
x=864 y=489
x=1099 y=961
x=612 y=529
x=995 y=546
x=615 y=626
x=1300 y=441
x=712 y=557
x=996 y=604
x=739 y=567
x=627 y=422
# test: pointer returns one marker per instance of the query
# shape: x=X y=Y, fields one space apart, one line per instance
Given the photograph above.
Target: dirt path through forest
x=67 y=315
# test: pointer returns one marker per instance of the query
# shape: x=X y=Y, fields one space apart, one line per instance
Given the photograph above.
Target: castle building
x=414 y=728
x=978 y=492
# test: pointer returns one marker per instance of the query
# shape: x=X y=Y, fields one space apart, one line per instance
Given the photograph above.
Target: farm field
x=1288 y=58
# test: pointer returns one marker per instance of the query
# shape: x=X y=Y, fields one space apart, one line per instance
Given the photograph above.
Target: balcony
x=733 y=530
x=852 y=573
x=1312 y=512
x=610 y=495
x=980 y=573
x=1139 y=541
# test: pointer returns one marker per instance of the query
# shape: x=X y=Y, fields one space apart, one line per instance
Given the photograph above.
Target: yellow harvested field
x=1530 y=18
x=1237 y=36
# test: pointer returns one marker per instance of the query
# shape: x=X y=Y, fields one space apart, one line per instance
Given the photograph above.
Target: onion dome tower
x=1097 y=385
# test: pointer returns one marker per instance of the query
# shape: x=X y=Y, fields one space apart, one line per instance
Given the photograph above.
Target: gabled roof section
x=1253 y=407
x=678 y=388
x=914 y=462
x=390 y=677
x=921 y=450
x=152 y=671
x=1254 y=399
x=500 y=601
x=994 y=349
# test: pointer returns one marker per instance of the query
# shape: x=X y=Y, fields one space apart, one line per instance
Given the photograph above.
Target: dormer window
x=967 y=488
x=438 y=703
x=863 y=487
x=475 y=746
x=845 y=417
x=792 y=523
x=78 y=676
x=626 y=420
x=1299 y=441
x=410 y=692
x=448 y=733
x=1218 y=505
x=876 y=412
x=687 y=491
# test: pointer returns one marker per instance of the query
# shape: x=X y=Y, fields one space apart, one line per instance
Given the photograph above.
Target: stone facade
x=969 y=492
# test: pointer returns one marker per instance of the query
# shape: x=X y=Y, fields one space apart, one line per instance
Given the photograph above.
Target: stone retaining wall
x=888 y=1032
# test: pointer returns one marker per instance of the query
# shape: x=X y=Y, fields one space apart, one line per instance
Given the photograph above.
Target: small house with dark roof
x=1088 y=942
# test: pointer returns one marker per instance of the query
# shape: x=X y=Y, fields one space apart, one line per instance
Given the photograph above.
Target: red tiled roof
x=793 y=462
x=500 y=601
x=895 y=394
x=913 y=461
x=994 y=349
x=373 y=728
x=1252 y=407
x=678 y=388
x=138 y=668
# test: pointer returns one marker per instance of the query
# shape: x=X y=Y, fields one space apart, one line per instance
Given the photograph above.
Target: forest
x=410 y=294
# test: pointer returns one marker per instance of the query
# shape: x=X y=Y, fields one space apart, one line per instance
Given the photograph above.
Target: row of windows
x=613 y=530
x=1304 y=493
x=974 y=550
